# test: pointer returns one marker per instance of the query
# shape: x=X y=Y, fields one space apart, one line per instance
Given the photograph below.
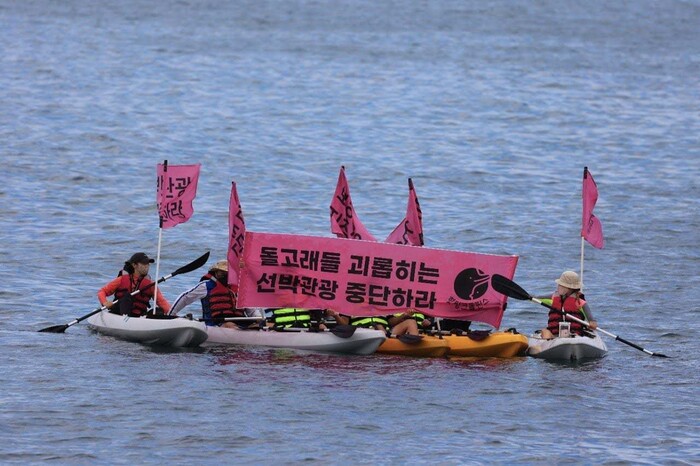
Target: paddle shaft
x=341 y=331
x=233 y=319
x=195 y=264
x=298 y=329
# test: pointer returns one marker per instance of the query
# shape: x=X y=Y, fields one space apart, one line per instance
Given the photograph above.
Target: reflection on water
x=487 y=364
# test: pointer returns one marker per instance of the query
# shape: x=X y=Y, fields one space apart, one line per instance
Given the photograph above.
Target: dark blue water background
x=493 y=108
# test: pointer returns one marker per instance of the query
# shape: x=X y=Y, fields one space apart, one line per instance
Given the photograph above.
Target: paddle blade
x=195 y=264
x=55 y=329
x=509 y=288
x=343 y=331
x=659 y=355
x=410 y=339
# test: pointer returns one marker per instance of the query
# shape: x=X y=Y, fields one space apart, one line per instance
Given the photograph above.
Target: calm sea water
x=493 y=108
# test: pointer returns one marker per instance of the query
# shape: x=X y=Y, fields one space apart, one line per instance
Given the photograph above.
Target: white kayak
x=362 y=341
x=571 y=348
x=174 y=332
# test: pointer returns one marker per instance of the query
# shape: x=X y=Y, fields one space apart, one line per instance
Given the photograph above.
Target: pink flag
x=591 y=229
x=363 y=278
x=236 y=233
x=344 y=220
x=410 y=230
x=177 y=187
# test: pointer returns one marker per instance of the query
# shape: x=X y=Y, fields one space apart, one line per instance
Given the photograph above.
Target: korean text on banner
x=344 y=220
x=360 y=278
x=410 y=230
x=236 y=233
x=177 y=188
x=591 y=228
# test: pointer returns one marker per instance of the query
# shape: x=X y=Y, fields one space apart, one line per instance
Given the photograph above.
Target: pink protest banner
x=362 y=278
x=344 y=220
x=591 y=228
x=410 y=230
x=236 y=233
x=176 y=189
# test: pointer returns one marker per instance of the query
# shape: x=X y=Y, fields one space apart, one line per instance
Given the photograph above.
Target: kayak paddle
x=511 y=289
x=410 y=339
x=195 y=264
x=340 y=331
x=343 y=331
x=232 y=319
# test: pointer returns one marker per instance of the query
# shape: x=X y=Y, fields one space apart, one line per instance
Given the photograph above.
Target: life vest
x=291 y=317
x=219 y=303
x=140 y=301
x=572 y=305
x=369 y=322
x=417 y=316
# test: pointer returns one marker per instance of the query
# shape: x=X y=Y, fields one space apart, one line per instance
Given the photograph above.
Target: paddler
x=133 y=277
x=568 y=297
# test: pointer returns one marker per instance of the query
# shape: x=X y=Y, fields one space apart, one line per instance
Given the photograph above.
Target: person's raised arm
x=188 y=297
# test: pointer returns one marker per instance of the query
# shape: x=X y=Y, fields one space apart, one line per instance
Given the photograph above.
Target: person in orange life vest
x=217 y=298
x=133 y=277
x=568 y=297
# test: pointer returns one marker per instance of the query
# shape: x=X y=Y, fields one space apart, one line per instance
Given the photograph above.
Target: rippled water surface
x=493 y=108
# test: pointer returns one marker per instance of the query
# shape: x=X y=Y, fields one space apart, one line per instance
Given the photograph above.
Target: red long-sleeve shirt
x=110 y=288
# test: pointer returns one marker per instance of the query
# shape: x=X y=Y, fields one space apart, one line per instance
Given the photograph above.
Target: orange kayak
x=495 y=345
x=427 y=347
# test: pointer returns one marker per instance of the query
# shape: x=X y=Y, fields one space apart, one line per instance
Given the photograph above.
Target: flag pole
x=155 y=288
x=583 y=241
x=591 y=229
x=160 y=238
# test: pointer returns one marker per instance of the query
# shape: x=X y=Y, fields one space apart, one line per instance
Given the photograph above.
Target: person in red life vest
x=133 y=277
x=569 y=299
x=217 y=298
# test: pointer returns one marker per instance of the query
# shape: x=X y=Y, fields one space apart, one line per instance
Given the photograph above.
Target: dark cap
x=141 y=258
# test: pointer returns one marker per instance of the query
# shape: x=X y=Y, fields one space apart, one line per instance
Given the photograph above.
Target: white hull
x=177 y=332
x=363 y=341
x=570 y=348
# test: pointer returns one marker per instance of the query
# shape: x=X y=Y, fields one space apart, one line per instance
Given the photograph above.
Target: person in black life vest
x=454 y=326
x=568 y=297
x=133 y=277
x=217 y=298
